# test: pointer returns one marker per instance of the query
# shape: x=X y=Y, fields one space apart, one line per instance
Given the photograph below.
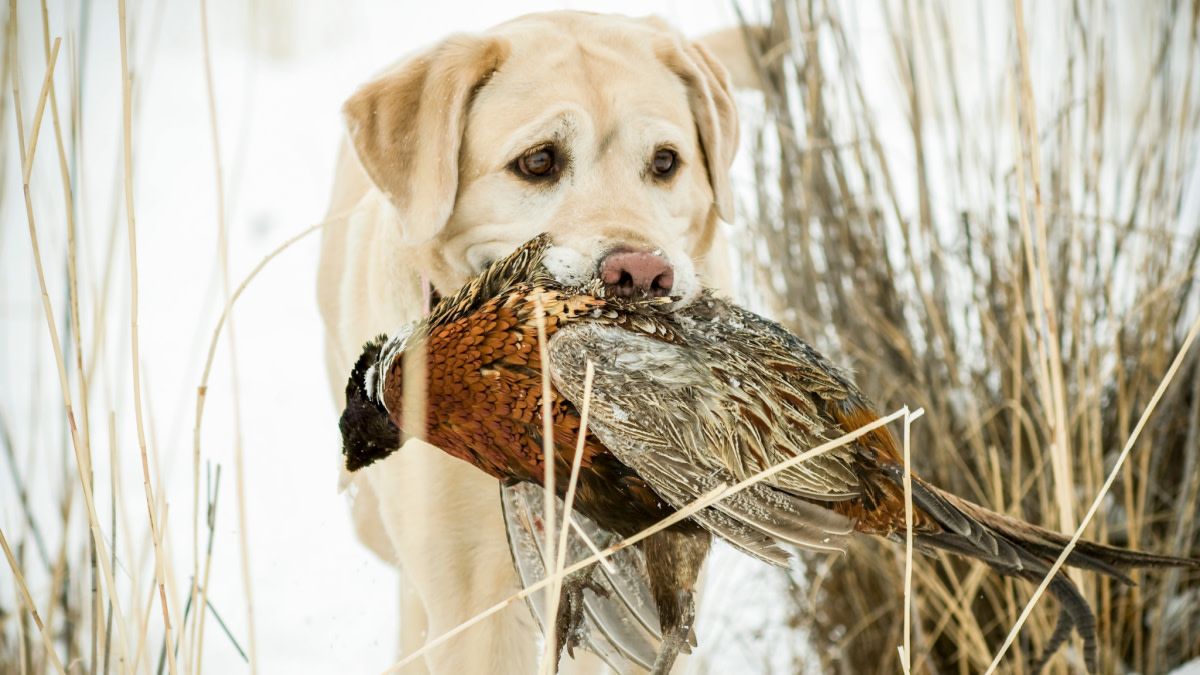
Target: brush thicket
x=1031 y=308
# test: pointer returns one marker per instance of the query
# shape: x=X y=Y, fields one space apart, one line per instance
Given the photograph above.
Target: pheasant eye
x=664 y=163
x=541 y=162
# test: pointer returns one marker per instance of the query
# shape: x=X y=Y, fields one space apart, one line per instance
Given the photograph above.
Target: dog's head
x=613 y=134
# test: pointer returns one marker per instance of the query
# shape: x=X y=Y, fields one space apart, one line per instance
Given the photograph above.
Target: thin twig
x=550 y=498
x=201 y=391
x=80 y=459
x=225 y=629
x=114 y=490
x=239 y=463
x=23 y=493
x=1047 y=319
x=162 y=652
x=550 y=657
x=591 y=545
x=155 y=533
x=27 y=160
x=69 y=213
x=1112 y=477
x=211 y=521
x=576 y=463
x=20 y=581
x=906 y=650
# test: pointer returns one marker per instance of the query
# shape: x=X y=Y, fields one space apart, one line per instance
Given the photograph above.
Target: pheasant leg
x=571 y=631
x=673 y=560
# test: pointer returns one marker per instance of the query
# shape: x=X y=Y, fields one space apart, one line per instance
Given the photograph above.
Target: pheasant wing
x=624 y=629
x=659 y=408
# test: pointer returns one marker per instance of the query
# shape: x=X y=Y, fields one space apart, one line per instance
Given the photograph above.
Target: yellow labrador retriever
x=613 y=134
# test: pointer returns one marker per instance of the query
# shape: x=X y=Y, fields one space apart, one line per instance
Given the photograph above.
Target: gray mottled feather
x=624 y=629
x=654 y=405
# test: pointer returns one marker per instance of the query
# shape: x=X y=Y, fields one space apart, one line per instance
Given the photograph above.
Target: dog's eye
x=540 y=162
x=665 y=162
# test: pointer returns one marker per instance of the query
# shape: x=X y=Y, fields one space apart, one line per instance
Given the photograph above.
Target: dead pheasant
x=683 y=401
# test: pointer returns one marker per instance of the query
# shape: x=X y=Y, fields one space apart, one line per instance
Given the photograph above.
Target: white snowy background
x=322 y=602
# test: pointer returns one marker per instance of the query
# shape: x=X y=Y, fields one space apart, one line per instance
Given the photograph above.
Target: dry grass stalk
x=1046 y=327
x=72 y=605
x=550 y=653
x=906 y=648
x=1108 y=483
x=156 y=528
x=1031 y=301
x=235 y=395
x=82 y=462
x=549 y=498
x=20 y=579
x=211 y=522
x=73 y=291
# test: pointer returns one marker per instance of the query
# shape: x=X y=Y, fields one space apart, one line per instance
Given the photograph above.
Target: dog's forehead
x=598 y=27
x=600 y=62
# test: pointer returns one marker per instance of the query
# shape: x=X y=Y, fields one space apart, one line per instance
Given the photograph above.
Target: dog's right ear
x=740 y=49
x=407 y=125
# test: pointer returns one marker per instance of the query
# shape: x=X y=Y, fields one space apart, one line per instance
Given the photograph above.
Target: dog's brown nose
x=629 y=272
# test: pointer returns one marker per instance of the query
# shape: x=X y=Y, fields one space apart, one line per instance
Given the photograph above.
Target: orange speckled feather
x=880 y=509
x=484 y=404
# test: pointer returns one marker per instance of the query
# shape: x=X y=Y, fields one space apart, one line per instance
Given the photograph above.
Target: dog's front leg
x=443 y=516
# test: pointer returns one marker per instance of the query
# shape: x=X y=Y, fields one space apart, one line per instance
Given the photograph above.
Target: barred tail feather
x=1018 y=549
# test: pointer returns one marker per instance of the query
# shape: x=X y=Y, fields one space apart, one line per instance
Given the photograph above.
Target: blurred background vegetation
x=1002 y=230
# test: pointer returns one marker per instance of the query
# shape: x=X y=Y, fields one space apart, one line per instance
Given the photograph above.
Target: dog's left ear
x=406 y=126
x=711 y=101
